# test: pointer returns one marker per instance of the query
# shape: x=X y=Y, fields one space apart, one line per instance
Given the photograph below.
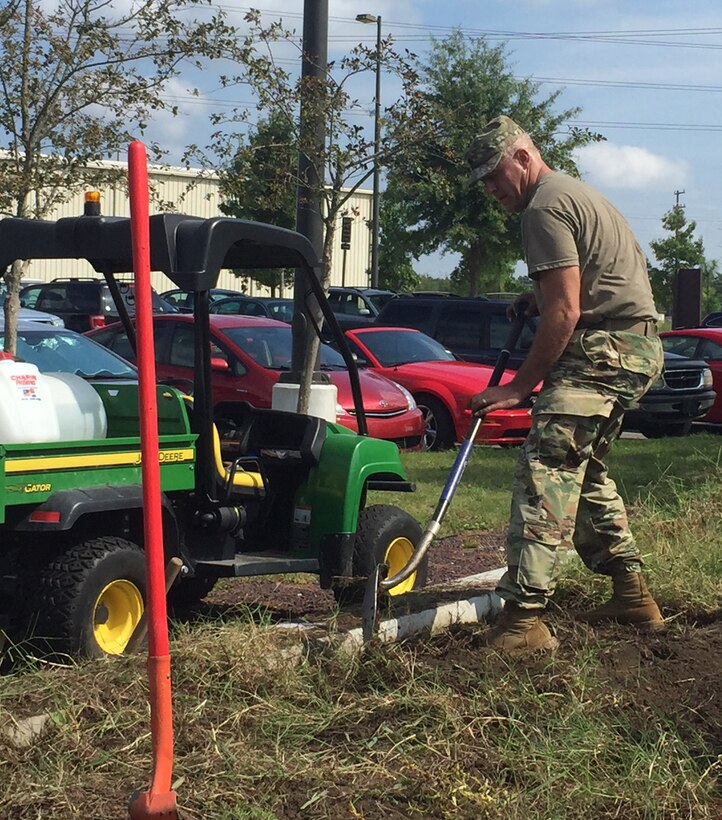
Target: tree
x=77 y=83
x=396 y=270
x=678 y=250
x=465 y=84
x=257 y=185
x=346 y=157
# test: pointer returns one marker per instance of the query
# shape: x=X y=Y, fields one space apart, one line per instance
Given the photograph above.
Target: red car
x=441 y=384
x=705 y=344
x=248 y=355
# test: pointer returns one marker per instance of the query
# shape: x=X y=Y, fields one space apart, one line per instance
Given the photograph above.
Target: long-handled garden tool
x=377 y=581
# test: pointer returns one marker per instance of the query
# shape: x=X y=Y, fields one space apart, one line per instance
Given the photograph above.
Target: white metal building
x=196 y=193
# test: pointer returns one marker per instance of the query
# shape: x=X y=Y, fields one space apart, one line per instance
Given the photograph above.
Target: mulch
x=284 y=599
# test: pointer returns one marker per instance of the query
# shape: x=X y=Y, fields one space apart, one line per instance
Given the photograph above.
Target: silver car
x=28 y=315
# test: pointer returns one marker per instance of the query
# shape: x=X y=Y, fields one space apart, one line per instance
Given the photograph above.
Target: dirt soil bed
x=675 y=673
x=301 y=599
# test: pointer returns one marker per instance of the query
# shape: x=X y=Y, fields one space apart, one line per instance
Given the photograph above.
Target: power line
x=615 y=36
x=624 y=84
x=649 y=126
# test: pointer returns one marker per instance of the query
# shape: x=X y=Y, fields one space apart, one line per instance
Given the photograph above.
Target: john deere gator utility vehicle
x=245 y=491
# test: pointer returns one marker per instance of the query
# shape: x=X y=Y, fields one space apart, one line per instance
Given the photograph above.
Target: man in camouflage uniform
x=597 y=352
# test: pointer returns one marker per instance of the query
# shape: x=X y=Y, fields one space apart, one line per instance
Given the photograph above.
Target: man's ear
x=523 y=157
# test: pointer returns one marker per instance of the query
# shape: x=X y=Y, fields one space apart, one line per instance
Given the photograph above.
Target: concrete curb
x=429 y=621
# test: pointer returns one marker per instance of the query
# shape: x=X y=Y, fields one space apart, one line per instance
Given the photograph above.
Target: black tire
x=186 y=592
x=665 y=429
x=439 y=427
x=385 y=534
x=88 y=600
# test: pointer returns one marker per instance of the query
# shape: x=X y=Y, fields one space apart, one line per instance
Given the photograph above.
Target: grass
x=642 y=468
x=613 y=726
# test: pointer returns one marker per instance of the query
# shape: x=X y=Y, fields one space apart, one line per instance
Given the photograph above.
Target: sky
x=646 y=74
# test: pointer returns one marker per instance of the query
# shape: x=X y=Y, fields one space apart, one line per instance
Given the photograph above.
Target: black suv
x=476 y=329
x=354 y=307
x=84 y=304
x=183 y=299
x=365 y=302
x=682 y=394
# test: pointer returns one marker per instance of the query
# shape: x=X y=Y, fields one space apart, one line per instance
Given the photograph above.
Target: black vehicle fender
x=70 y=506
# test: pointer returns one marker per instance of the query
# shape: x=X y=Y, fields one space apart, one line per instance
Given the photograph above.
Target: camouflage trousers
x=562 y=495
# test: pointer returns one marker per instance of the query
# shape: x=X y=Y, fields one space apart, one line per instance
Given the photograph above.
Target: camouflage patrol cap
x=487 y=149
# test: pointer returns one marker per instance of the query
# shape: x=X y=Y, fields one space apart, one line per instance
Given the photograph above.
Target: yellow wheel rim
x=116 y=614
x=398 y=554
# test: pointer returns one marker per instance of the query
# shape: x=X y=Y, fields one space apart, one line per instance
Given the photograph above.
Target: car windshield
x=283 y=311
x=127 y=293
x=393 y=347
x=681 y=345
x=61 y=351
x=270 y=346
x=378 y=300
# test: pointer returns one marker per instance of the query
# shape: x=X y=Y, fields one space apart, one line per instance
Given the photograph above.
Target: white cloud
x=627 y=166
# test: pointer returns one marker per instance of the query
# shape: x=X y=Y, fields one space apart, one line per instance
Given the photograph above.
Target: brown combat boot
x=631 y=603
x=520 y=631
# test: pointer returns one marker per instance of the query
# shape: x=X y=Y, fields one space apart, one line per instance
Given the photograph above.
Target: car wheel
x=385 y=535
x=665 y=429
x=439 y=431
x=88 y=600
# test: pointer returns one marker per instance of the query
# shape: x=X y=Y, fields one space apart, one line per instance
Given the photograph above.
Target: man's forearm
x=552 y=335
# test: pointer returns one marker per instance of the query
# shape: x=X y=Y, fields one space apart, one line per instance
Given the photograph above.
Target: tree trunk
x=13 y=275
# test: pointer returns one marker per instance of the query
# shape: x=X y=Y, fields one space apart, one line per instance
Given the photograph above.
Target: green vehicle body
x=245 y=491
x=34 y=474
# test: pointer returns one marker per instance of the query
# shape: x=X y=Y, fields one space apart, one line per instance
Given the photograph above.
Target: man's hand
x=527 y=300
x=503 y=397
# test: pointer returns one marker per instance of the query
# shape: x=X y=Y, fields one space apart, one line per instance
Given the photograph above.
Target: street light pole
x=375 y=222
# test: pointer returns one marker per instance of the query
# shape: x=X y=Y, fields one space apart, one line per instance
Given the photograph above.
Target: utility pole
x=309 y=222
x=375 y=222
x=677 y=207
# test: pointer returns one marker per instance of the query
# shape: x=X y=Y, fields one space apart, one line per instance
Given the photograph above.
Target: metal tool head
x=370 y=606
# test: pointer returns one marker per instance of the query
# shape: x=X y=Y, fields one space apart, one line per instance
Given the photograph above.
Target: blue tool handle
x=459 y=465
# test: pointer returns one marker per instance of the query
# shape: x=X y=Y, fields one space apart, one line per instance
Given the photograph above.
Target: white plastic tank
x=81 y=415
x=322 y=402
x=27 y=410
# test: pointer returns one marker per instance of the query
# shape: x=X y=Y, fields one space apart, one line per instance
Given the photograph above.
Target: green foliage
x=79 y=81
x=502 y=281
x=396 y=269
x=428 y=282
x=465 y=83
x=338 y=154
x=344 y=158
x=678 y=250
x=257 y=185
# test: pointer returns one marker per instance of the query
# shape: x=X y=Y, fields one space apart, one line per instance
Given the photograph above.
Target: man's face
x=508 y=182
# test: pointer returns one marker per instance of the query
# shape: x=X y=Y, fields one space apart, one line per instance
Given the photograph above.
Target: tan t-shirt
x=568 y=223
